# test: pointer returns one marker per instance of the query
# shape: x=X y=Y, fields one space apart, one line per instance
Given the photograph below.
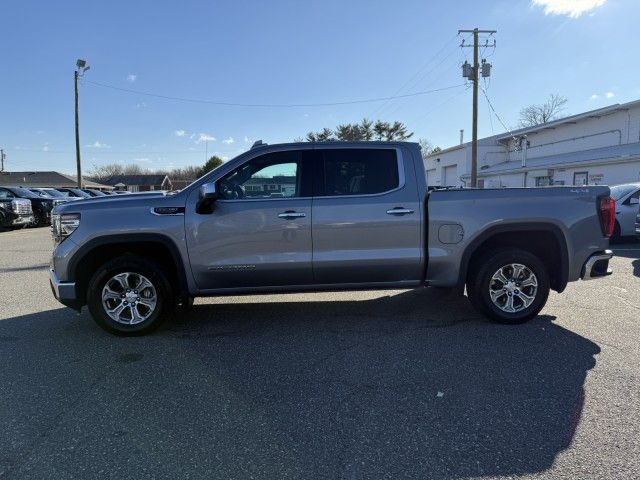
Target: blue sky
x=288 y=52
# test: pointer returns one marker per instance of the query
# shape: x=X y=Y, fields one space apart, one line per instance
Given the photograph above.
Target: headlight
x=63 y=225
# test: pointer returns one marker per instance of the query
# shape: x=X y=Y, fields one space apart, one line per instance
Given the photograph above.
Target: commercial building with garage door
x=600 y=147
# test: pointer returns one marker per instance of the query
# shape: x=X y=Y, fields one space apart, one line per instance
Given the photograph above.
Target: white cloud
x=142 y=160
x=247 y=139
x=141 y=105
x=228 y=141
x=98 y=144
x=609 y=95
x=45 y=148
x=192 y=136
x=571 y=8
x=205 y=137
x=179 y=133
x=131 y=78
x=595 y=96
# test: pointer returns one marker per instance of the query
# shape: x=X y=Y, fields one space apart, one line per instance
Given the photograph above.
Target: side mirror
x=208 y=191
x=208 y=195
x=634 y=201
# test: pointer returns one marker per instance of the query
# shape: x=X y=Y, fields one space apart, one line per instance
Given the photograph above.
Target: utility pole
x=81 y=67
x=471 y=72
x=2 y=157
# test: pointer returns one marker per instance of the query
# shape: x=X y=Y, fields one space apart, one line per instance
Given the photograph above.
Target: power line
x=496 y=114
x=399 y=105
x=417 y=73
x=109 y=152
x=269 y=105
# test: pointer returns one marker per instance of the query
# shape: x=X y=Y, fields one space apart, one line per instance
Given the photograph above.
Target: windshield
x=74 y=192
x=620 y=191
x=52 y=193
x=24 y=193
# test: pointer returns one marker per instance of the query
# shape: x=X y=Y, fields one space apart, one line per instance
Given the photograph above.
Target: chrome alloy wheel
x=513 y=288
x=129 y=298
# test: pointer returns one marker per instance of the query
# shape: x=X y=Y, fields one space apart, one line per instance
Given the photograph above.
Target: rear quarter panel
x=571 y=210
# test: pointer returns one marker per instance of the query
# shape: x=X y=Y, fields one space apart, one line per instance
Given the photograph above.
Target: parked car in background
x=58 y=197
x=627 y=197
x=15 y=212
x=348 y=216
x=41 y=206
x=93 y=192
x=73 y=192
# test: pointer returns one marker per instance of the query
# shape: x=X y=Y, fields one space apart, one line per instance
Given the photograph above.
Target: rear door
x=366 y=217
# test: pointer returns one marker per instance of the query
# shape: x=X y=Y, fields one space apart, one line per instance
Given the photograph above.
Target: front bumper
x=597 y=265
x=65 y=292
x=23 y=220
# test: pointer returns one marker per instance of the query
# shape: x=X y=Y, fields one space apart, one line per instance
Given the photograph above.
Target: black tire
x=138 y=267
x=480 y=281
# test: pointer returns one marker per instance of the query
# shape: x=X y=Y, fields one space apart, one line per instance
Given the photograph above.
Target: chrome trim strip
x=291 y=215
x=399 y=211
x=153 y=212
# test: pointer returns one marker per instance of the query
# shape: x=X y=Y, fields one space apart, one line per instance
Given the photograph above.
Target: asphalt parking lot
x=400 y=384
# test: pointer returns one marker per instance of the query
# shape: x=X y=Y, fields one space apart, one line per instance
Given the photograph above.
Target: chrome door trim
x=291 y=215
x=399 y=211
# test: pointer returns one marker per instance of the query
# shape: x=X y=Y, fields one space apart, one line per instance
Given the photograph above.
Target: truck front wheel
x=128 y=296
x=509 y=287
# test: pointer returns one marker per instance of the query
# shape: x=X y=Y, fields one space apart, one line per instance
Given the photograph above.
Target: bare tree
x=427 y=148
x=544 y=113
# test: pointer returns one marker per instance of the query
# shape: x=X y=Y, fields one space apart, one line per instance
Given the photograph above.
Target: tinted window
x=274 y=175
x=359 y=171
x=24 y=193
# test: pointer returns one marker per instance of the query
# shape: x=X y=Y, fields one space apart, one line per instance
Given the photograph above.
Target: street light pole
x=79 y=169
x=81 y=67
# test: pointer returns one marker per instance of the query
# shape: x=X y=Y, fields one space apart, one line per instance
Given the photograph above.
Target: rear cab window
x=357 y=171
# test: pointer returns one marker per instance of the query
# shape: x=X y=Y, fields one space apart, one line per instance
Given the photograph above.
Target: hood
x=107 y=201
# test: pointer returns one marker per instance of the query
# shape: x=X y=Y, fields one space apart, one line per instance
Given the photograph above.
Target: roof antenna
x=258 y=143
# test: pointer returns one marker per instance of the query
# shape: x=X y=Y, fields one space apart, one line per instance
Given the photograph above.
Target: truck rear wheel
x=510 y=286
x=128 y=296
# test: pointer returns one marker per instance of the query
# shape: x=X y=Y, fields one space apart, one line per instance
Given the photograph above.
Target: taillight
x=607 y=215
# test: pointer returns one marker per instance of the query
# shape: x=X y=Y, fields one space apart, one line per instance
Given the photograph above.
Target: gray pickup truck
x=325 y=216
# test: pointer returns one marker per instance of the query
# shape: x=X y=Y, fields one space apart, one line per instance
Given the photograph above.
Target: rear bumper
x=65 y=292
x=597 y=265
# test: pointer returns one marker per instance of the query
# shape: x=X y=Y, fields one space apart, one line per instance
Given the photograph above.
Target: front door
x=259 y=232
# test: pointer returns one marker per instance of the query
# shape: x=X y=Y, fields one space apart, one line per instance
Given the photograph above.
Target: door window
x=274 y=175
x=359 y=171
x=634 y=196
x=6 y=194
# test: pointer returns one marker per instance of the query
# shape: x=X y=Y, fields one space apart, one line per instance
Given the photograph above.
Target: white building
x=600 y=147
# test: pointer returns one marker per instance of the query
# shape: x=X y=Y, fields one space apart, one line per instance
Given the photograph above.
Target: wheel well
x=544 y=244
x=156 y=252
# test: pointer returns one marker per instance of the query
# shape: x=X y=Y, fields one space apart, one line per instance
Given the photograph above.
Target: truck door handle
x=290 y=215
x=399 y=211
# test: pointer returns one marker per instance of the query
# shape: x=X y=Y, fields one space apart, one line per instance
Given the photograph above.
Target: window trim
x=585 y=173
x=399 y=164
